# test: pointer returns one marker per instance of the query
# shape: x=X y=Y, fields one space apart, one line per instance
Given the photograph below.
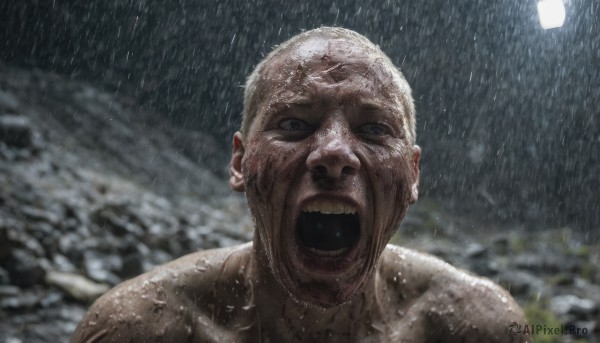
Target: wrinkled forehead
x=336 y=58
x=331 y=60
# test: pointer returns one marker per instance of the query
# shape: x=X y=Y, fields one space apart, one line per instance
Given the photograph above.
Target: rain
x=117 y=117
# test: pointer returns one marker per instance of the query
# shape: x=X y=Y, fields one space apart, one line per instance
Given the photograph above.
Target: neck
x=277 y=310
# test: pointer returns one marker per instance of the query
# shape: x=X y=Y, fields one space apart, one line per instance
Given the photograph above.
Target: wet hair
x=252 y=88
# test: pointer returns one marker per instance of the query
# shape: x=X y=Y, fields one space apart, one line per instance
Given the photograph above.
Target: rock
x=24 y=268
x=5 y=245
x=62 y=263
x=587 y=289
x=15 y=131
x=476 y=250
x=484 y=267
x=4 y=277
x=133 y=265
x=571 y=304
x=37 y=214
x=76 y=285
x=521 y=283
x=21 y=301
x=51 y=299
x=546 y=262
x=9 y=291
x=19 y=239
x=8 y=102
x=101 y=267
x=115 y=217
x=158 y=257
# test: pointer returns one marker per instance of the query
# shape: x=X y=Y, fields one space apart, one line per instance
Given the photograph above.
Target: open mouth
x=328 y=229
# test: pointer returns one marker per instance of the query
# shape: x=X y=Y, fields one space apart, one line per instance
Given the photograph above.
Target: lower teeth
x=326 y=253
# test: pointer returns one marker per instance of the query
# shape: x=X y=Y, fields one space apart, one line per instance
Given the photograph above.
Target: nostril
x=347 y=170
x=321 y=170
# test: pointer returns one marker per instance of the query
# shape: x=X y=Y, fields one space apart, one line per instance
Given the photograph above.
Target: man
x=327 y=159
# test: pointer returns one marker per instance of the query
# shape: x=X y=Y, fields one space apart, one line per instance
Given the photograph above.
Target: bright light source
x=552 y=13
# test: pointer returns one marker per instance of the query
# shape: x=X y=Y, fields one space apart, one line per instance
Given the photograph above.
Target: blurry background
x=116 y=119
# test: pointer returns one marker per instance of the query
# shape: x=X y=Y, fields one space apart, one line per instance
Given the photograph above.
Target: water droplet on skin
x=158 y=304
x=201 y=266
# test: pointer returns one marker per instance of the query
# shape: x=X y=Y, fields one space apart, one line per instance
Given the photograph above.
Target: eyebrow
x=370 y=104
x=298 y=100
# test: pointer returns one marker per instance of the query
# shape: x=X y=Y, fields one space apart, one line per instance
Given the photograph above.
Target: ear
x=414 y=189
x=236 y=180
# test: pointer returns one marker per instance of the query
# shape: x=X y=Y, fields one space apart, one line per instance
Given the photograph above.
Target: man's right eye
x=294 y=125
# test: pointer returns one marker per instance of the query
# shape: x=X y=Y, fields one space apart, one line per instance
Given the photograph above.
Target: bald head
x=302 y=47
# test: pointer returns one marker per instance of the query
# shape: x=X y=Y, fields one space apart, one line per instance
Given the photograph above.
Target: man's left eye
x=373 y=130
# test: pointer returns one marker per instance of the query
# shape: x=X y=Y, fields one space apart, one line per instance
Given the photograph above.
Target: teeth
x=329 y=207
x=325 y=253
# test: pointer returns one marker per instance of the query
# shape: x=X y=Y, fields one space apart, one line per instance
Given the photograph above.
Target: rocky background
x=95 y=189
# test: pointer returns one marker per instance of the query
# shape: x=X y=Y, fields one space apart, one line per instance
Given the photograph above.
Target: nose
x=333 y=156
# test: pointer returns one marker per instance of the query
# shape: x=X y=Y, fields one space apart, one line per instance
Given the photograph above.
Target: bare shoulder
x=165 y=304
x=457 y=305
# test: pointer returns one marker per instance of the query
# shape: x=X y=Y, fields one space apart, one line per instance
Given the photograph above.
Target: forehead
x=331 y=64
x=316 y=47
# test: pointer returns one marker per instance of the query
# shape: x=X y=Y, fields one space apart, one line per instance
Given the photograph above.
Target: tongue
x=327 y=232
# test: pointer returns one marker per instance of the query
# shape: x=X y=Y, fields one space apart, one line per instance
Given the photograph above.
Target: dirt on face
x=330 y=132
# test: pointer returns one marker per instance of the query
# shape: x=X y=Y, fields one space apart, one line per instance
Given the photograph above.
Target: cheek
x=401 y=180
x=392 y=175
x=392 y=179
x=267 y=169
x=268 y=172
x=259 y=177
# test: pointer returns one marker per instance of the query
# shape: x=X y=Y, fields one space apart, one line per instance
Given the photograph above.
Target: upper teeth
x=329 y=207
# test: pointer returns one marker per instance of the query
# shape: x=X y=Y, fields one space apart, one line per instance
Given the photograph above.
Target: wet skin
x=221 y=296
x=330 y=133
